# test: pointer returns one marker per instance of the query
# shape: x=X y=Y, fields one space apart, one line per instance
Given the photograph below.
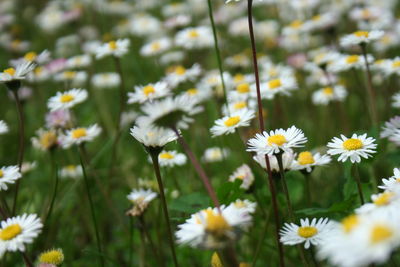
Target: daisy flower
x=67 y=99
x=151 y=136
x=194 y=38
x=18 y=231
x=106 y=80
x=396 y=100
x=309 y=233
x=80 y=135
x=171 y=158
x=277 y=141
x=244 y=174
x=215 y=154
x=288 y=159
x=307 y=161
x=355 y=148
x=390 y=127
x=80 y=61
x=54 y=257
x=155 y=47
x=8 y=175
x=346 y=62
x=17 y=74
x=73 y=77
x=148 y=92
x=3 y=127
x=199 y=94
x=360 y=38
x=179 y=74
x=33 y=57
x=213 y=229
x=228 y=124
x=140 y=199
x=45 y=140
x=386 y=201
x=58 y=119
x=71 y=171
x=393 y=183
x=328 y=94
x=243 y=205
x=281 y=85
x=114 y=48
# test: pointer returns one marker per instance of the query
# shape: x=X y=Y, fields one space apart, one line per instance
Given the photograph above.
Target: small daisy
x=151 y=136
x=277 y=141
x=396 y=100
x=354 y=148
x=228 y=124
x=106 y=80
x=28 y=166
x=288 y=160
x=80 y=135
x=71 y=171
x=8 y=175
x=392 y=183
x=179 y=74
x=148 y=92
x=45 y=140
x=346 y=62
x=140 y=199
x=115 y=48
x=309 y=233
x=33 y=57
x=171 y=158
x=215 y=154
x=53 y=256
x=67 y=99
x=281 y=85
x=387 y=202
x=80 y=61
x=328 y=94
x=18 y=231
x=194 y=38
x=307 y=161
x=3 y=127
x=58 y=119
x=155 y=47
x=244 y=205
x=244 y=174
x=390 y=127
x=76 y=78
x=360 y=38
x=19 y=73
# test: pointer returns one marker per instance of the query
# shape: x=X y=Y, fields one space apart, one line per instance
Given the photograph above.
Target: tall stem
x=151 y=243
x=358 y=181
x=284 y=185
x=154 y=157
x=261 y=122
x=92 y=212
x=21 y=145
x=53 y=198
x=217 y=52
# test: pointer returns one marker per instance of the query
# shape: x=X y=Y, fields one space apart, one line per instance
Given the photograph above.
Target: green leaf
x=190 y=203
x=343 y=207
x=230 y=191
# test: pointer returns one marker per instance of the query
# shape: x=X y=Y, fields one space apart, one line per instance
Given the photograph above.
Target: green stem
x=151 y=243
x=358 y=181
x=261 y=240
x=54 y=167
x=284 y=185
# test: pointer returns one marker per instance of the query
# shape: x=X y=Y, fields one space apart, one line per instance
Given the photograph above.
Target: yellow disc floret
x=54 y=256
x=79 y=133
x=232 y=121
x=307 y=231
x=216 y=223
x=352 y=144
x=10 y=232
x=147 y=90
x=277 y=139
x=305 y=158
x=66 y=98
x=380 y=233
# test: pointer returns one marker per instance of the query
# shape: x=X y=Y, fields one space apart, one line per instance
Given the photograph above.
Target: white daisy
x=80 y=61
x=71 y=171
x=354 y=148
x=115 y=48
x=244 y=205
x=148 y=92
x=307 y=161
x=179 y=74
x=396 y=100
x=346 y=62
x=328 y=94
x=199 y=94
x=277 y=141
x=106 y=80
x=281 y=85
x=76 y=78
x=67 y=99
x=152 y=136
x=155 y=47
x=18 y=231
x=19 y=73
x=360 y=37
x=392 y=183
x=8 y=175
x=244 y=174
x=228 y=124
x=3 y=127
x=288 y=159
x=33 y=57
x=309 y=233
x=45 y=139
x=171 y=158
x=390 y=127
x=194 y=38
x=79 y=135
x=140 y=199
x=387 y=202
x=215 y=154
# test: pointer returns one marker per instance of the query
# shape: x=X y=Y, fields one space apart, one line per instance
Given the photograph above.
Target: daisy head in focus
x=16 y=74
x=148 y=92
x=152 y=137
x=361 y=38
x=16 y=232
x=229 y=124
x=309 y=233
x=116 y=48
x=171 y=158
x=52 y=257
x=214 y=229
x=244 y=174
x=8 y=175
x=276 y=141
x=354 y=148
x=307 y=161
x=140 y=200
x=392 y=183
x=79 y=135
x=67 y=99
x=3 y=127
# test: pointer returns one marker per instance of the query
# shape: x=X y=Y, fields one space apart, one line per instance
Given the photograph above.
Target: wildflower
x=79 y=135
x=71 y=171
x=67 y=99
x=307 y=161
x=288 y=161
x=106 y=80
x=80 y=61
x=194 y=38
x=228 y=124
x=45 y=140
x=156 y=47
x=8 y=175
x=360 y=38
x=151 y=136
x=58 y=119
x=148 y=92
x=215 y=154
x=179 y=74
x=12 y=77
x=244 y=174
x=115 y=48
x=328 y=94
x=386 y=202
x=393 y=183
x=53 y=256
x=171 y=158
x=140 y=199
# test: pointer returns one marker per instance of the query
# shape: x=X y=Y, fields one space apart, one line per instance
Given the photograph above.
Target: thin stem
x=229 y=257
x=54 y=167
x=217 y=52
x=261 y=240
x=284 y=185
x=307 y=186
x=27 y=260
x=21 y=145
x=199 y=169
x=358 y=181
x=87 y=186
x=151 y=243
x=154 y=157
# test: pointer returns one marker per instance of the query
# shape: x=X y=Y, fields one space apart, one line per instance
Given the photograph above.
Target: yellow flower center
x=273 y=72
x=243 y=88
x=38 y=70
x=380 y=233
x=69 y=74
x=305 y=158
x=193 y=34
x=366 y=13
x=327 y=91
x=350 y=222
x=307 y=231
x=216 y=223
x=30 y=56
x=238 y=78
x=66 y=98
x=48 y=139
x=274 y=83
x=1 y=173
x=216 y=261
x=71 y=167
x=352 y=59
x=232 y=121
x=10 y=71
x=192 y=91
x=180 y=70
x=316 y=17
x=296 y=24
x=396 y=64
x=147 y=90
x=277 y=139
x=112 y=45
x=239 y=203
x=361 y=34
x=55 y=257
x=383 y=199
x=10 y=232
x=79 y=133
x=155 y=46
x=240 y=105
x=352 y=144
x=166 y=155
